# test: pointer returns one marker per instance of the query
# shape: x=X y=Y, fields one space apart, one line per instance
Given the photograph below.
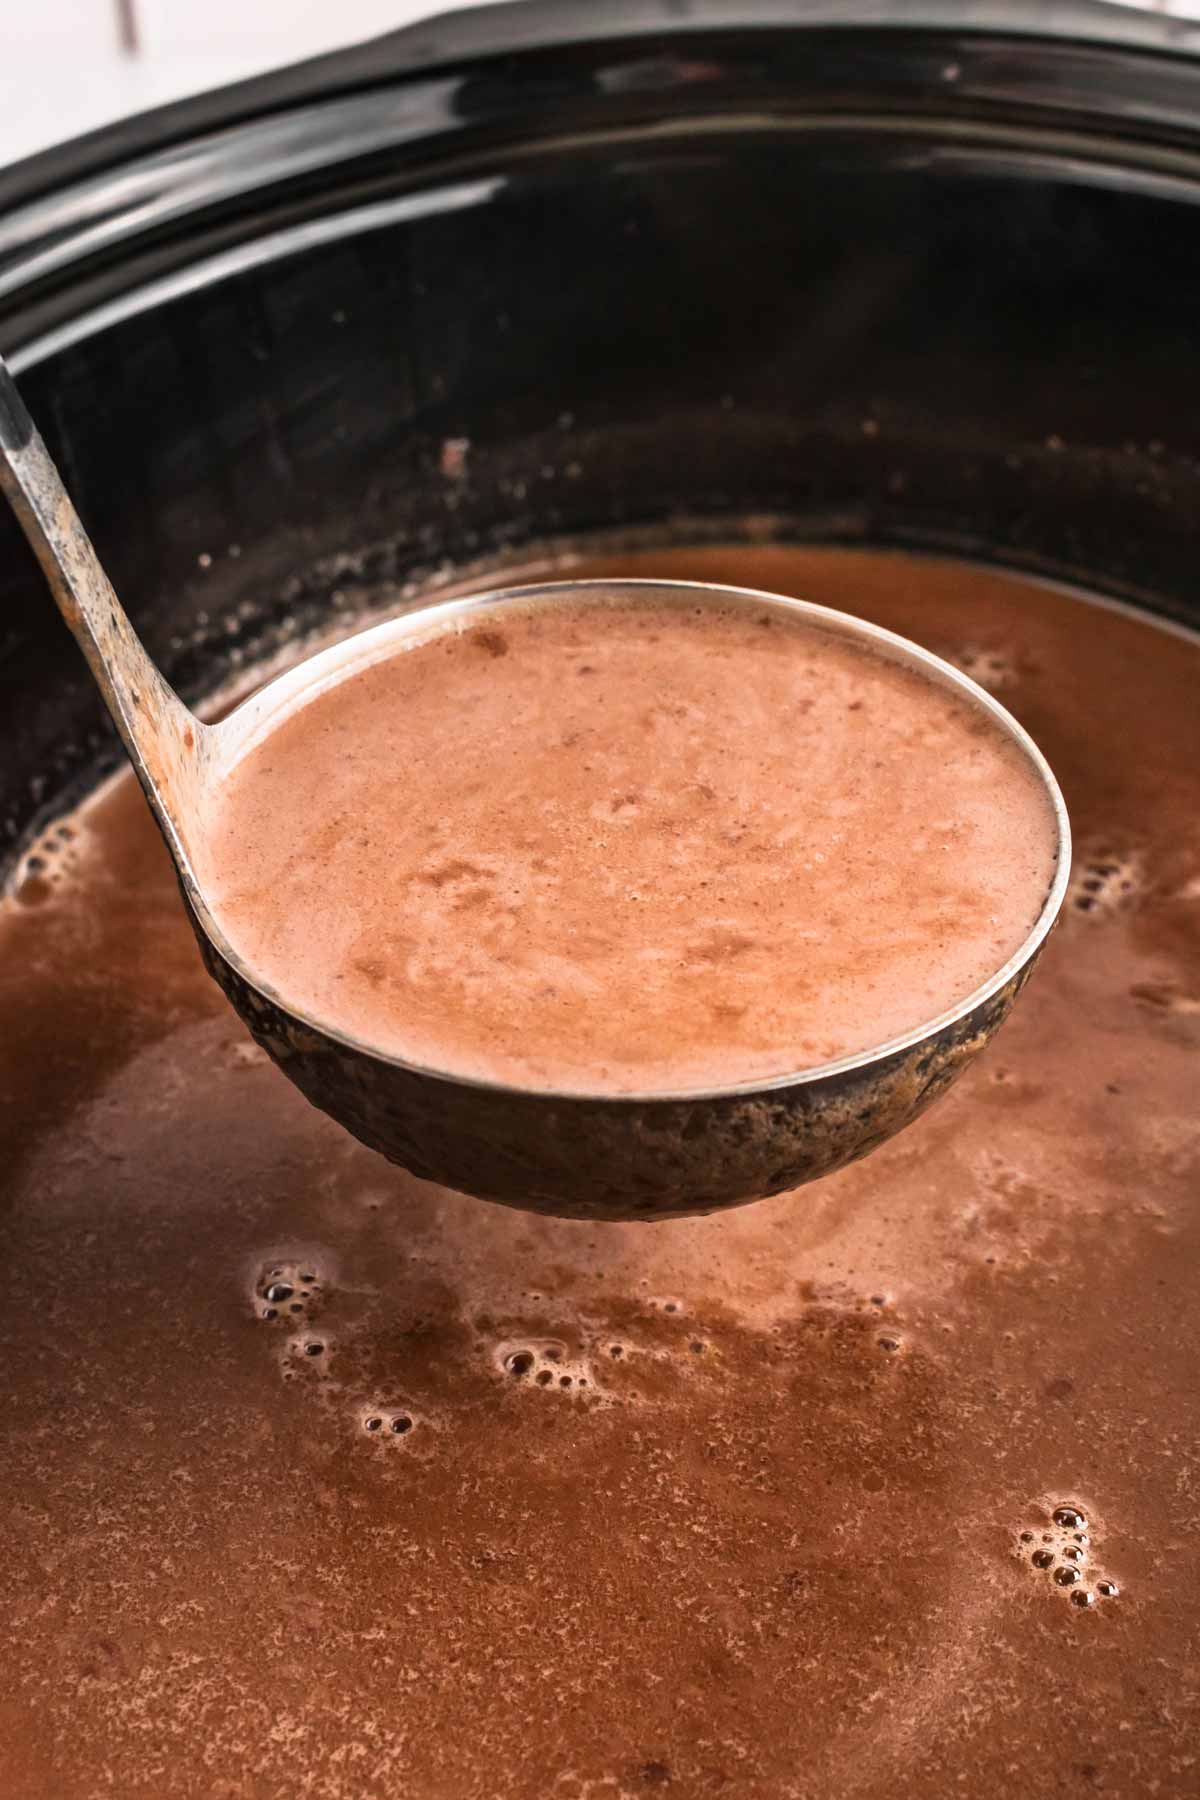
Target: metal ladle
x=642 y=1156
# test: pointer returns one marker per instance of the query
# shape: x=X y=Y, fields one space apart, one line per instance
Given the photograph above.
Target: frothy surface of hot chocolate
x=755 y=1507
x=610 y=846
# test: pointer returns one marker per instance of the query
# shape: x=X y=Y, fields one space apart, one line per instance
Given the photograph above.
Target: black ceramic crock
x=657 y=264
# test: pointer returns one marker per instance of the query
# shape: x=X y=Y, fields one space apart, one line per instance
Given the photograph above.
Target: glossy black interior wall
x=942 y=322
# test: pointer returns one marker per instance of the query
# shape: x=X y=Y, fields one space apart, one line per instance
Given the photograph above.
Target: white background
x=63 y=70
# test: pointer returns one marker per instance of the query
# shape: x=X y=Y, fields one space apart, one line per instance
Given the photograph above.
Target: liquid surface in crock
x=623 y=845
x=756 y=1507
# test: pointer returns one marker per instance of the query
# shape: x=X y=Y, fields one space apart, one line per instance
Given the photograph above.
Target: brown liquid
x=762 y=1553
x=618 y=846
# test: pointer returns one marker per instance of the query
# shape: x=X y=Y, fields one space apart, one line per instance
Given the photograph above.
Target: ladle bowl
x=611 y=1156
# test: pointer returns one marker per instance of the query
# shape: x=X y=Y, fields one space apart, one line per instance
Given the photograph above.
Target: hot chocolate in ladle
x=638 y=1156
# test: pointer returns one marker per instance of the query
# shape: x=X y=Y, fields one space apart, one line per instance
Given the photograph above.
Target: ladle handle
x=158 y=730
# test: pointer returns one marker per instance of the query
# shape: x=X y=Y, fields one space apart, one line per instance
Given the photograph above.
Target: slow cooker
x=524 y=283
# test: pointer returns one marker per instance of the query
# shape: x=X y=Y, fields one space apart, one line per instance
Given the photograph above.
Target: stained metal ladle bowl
x=638 y=1156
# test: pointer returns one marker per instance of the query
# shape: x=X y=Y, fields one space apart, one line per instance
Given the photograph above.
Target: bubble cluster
x=992 y=669
x=47 y=862
x=1104 y=881
x=600 y=1365
x=288 y=1291
x=544 y=1364
x=1065 y=1552
x=383 y=1422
